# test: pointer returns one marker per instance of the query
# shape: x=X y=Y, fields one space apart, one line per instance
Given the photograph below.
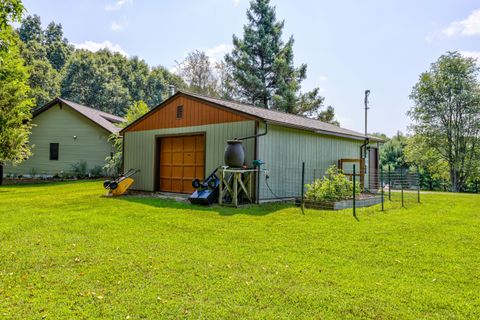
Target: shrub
x=96 y=172
x=334 y=186
x=80 y=169
x=113 y=165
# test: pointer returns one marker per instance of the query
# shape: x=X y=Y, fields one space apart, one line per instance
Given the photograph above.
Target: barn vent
x=179 y=112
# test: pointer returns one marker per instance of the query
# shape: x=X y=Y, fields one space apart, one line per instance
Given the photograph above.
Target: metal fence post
x=401 y=184
x=381 y=185
x=354 y=187
x=302 y=189
x=389 y=184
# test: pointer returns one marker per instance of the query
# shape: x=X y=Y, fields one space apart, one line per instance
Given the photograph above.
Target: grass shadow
x=251 y=209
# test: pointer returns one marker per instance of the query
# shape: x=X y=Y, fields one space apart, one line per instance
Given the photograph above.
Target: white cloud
x=236 y=2
x=95 y=46
x=323 y=78
x=115 y=26
x=217 y=53
x=117 y=5
x=471 y=54
x=119 y=26
x=467 y=27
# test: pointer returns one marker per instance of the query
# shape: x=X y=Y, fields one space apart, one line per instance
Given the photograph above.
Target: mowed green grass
x=67 y=252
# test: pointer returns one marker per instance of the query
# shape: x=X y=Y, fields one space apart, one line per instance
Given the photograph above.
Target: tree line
x=105 y=80
x=444 y=143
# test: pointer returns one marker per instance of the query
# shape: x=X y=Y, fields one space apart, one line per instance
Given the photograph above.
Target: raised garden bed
x=362 y=200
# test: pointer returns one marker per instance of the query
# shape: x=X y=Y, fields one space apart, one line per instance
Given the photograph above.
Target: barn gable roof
x=102 y=119
x=270 y=116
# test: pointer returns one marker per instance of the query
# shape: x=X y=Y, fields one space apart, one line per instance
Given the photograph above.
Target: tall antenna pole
x=367 y=93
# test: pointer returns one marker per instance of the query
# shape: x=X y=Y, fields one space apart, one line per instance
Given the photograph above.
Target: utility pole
x=367 y=93
x=363 y=148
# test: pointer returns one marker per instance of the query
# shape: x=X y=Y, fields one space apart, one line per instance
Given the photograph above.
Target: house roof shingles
x=283 y=118
x=103 y=119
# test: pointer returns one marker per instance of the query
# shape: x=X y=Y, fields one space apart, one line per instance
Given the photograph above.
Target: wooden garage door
x=182 y=159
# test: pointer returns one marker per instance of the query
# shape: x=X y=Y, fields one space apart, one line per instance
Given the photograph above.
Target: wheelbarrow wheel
x=106 y=184
x=196 y=183
x=212 y=183
x=113 y=185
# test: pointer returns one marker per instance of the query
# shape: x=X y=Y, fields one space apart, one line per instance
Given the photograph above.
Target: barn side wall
x=60 y=125
x=284 y=149
x=140 y=153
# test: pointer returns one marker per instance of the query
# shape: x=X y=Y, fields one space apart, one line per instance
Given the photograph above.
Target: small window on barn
x=179 y=112
x=53 y=151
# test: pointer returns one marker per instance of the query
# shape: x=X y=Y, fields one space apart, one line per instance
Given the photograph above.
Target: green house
x=185 y=137
x=66 y=133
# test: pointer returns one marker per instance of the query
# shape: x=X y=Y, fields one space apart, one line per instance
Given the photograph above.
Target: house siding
x=284 y=149
x=140 y=148
x=60 y=125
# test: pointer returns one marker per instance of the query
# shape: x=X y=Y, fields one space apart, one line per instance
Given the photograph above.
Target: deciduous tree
x=45 y=53
x=135 y=111
x=44 y=80
x=392 y=152
x=92 y=79
x=157 y=86
x=31 y=29
x=111 y=82
x=58 y=48
x=15 y=104
x=114 y=164
x=446 y=113
x=198 y=72
x=432 y=166
x=10 y=11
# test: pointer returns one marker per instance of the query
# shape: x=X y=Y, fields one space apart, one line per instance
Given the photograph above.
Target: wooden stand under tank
x=235 y=184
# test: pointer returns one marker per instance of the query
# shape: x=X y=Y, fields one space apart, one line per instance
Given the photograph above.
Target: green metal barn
x=185 y=137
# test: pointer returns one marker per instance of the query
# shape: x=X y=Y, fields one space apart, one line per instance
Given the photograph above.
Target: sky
x=348 y=46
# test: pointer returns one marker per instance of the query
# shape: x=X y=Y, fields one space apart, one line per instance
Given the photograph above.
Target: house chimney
x=171 y=90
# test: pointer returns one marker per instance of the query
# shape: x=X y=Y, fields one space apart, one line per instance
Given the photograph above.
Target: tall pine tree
x=262 y=68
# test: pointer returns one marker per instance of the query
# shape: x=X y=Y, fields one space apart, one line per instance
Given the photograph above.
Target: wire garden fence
x=377 y=190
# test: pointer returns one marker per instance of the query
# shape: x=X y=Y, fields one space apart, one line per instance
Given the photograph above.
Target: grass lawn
x=67 y=252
